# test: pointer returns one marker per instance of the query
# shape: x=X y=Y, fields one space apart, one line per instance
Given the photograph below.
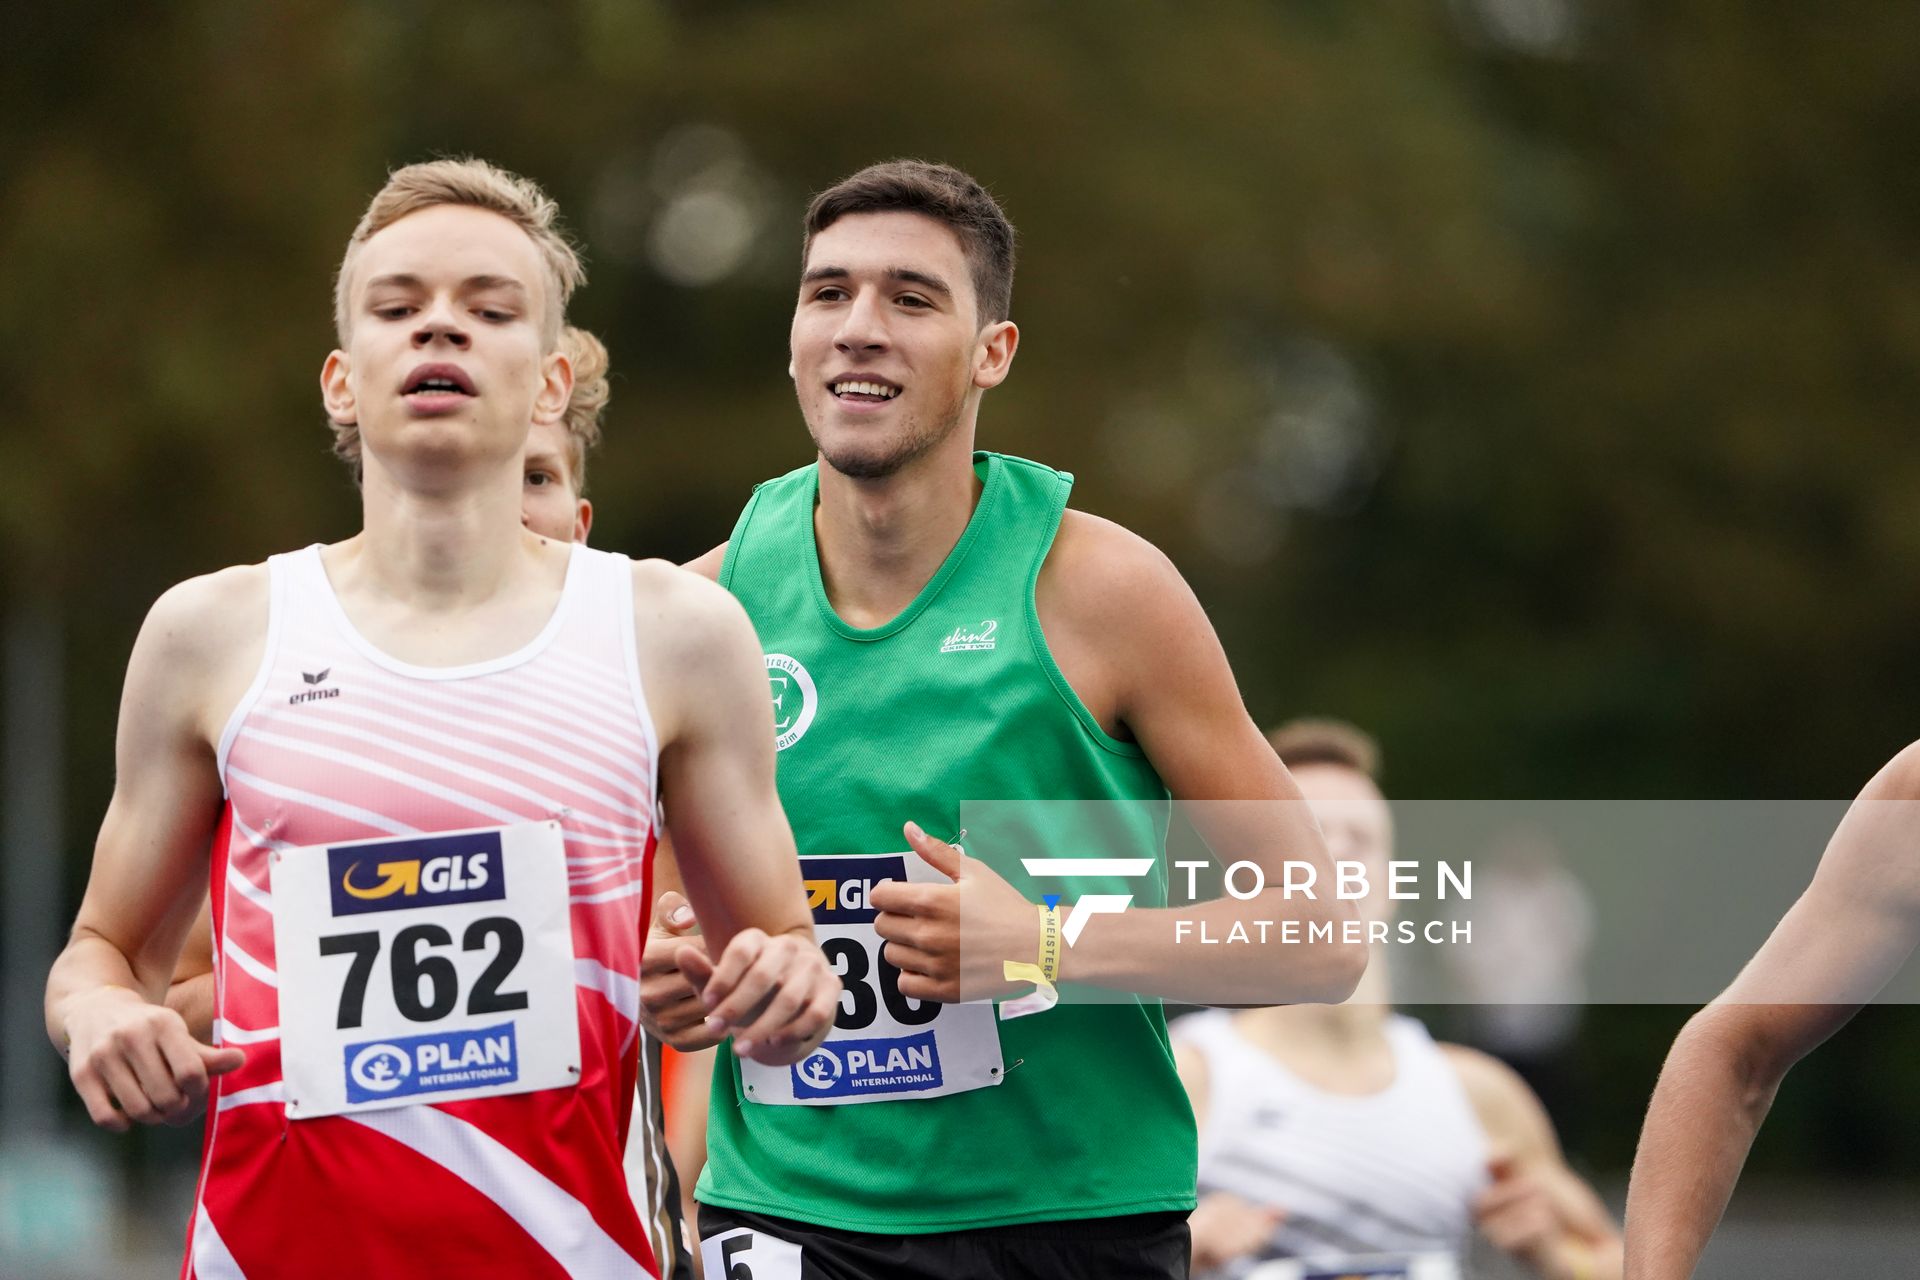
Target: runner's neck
x=441 y=551
x=881 y=541
x=1341 y=1049
x=1335 y=1024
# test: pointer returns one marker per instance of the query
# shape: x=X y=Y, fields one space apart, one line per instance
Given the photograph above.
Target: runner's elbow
x=1344 y=955
x=1730 y=1042
x=1347 y=965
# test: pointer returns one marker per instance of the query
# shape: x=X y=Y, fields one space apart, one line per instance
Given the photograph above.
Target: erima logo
x=312 y=693
x=1091 y=904
x=837 y=888
x=968 y=637
x=430 y=871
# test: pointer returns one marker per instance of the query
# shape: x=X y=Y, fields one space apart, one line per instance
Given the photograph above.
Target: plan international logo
x=840 y=1068
x=435 y=1062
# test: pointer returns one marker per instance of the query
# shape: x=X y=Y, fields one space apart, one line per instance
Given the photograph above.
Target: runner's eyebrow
x=481 y=283
x=472 y=284
x=904 y=275
x=907 y=275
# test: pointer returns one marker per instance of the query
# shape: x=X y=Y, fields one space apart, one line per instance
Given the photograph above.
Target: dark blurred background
x=1530 y=381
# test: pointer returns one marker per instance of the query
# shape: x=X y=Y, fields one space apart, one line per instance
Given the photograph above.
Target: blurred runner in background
x=1342 y=1140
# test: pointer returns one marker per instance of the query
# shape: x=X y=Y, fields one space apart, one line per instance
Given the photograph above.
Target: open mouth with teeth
x=863 y=391
x=438 y=380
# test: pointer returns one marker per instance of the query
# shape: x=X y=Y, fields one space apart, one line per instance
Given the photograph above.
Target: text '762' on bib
x=424 y=968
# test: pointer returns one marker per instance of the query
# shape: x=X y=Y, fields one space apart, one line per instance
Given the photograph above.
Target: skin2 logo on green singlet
x=794 y=699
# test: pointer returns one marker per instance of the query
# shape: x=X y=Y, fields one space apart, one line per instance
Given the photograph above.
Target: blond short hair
x=1324 y=741
x=591 y=391
x=474 y=184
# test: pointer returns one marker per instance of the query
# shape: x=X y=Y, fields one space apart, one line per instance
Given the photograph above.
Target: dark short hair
x=946 y=195
x=1319 y=741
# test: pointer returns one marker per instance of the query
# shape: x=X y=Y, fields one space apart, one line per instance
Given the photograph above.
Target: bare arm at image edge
x=1831 y=953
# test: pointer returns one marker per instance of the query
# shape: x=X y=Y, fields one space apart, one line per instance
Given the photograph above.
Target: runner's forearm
x=87 y=965
x=1267 y=949
x=1700 y=1125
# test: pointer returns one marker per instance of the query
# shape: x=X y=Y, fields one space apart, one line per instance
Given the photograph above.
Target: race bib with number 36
x=424 y=969
x=884 y=1045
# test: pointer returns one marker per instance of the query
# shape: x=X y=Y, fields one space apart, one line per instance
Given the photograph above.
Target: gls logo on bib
x=838 y=888
x=432 y=871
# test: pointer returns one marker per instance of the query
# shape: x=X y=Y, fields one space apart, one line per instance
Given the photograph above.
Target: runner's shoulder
x=198 y=648
x=209 y=620
x=698 y=652
x=1483 y=1076
x=1502 y=1100
x=708 y=565
x=1104 y=575
x=1096 y=554
x=1899 y=779
x=683 y=611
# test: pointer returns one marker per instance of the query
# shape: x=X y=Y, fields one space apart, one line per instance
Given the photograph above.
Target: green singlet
x=956 y=699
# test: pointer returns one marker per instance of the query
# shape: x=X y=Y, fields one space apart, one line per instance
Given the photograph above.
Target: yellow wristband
x=1042 y=975
x=1050 y=942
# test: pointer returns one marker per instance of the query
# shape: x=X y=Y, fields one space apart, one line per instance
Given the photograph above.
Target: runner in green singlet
x=939 y=628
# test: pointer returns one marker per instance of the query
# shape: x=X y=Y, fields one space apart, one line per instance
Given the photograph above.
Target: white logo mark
x=820 y=1070
x=1092 y=904
x=380 y=1067
x=794 y=699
